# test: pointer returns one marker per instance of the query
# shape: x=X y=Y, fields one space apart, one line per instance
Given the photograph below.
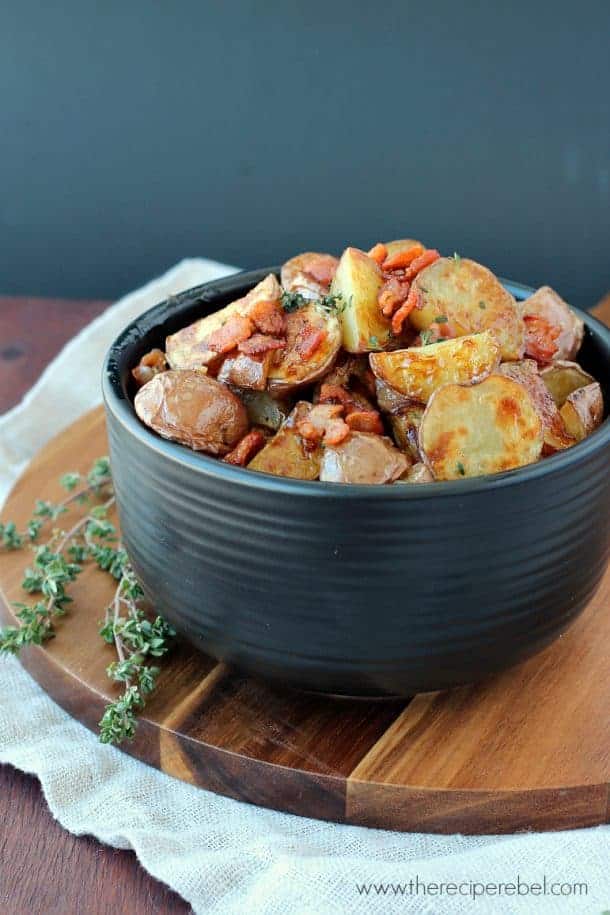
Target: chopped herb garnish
x=426 y=337
x=291 y=301
x=442 y=319
x=373 y=341
x=460 y=469
x=457 y=258
x=332 y=303
x=482 y=305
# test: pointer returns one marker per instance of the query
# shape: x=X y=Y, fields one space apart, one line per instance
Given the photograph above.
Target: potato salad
x=393 y=365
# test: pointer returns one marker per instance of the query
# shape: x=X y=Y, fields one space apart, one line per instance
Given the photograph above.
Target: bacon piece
x=308 y=340
x=365 y=421
x=246 y=448
x=259 y=344
x=324 y=423
x=392 y=294
x=150 y=364
x=335 y=393
x=378 y=252
x=403 y=259
x=424 y=260
x=235 y=330
x=268 y=317
x=405 y=310
x=540 y=337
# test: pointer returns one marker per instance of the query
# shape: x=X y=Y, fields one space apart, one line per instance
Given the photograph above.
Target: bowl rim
x=121 y=409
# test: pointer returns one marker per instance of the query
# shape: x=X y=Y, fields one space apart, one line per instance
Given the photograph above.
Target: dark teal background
x=135 y=133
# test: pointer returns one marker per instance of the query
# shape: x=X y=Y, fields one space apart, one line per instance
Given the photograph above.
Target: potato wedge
x=310 y=274
x=285 y=455
x=191 y=408
x=243 y=371
x=363 y=458
x=405 y=429
x=546 y=303
x=400 y=244
x=313 y=340
x=562 y=378
x=186 y=349
x=389 y=400
x=358 y=280
x=556 y=436
x=483 y=428
x=583 y=411
x=472 y=299
x=263 y=409
x=417 y=372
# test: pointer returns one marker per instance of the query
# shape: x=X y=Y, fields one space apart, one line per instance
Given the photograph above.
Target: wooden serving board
x=529 y=749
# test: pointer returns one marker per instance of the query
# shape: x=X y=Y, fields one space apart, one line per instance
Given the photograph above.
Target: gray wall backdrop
x=134 y=133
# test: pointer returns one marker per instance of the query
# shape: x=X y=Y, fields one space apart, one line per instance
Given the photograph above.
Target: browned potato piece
x=191 y=408
x=418 y=473
x=285 y=455
x=526 y=373
x=400 y=244
x=244 y=371
x=561 y=378
x=186 y=349
x=583 y=411
x=417 y=372
x=313 y=339
x=363 y=458
x=263 y=409
x=472 y=299
x=479 y=429
x=547 y=304
x=389 y=400
x=405 y=427
x=310 y=274
x=358 y=281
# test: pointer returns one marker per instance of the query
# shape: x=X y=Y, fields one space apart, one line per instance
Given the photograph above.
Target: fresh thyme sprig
x=58 y=562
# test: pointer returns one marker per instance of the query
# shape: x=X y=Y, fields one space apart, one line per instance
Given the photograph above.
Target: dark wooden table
x=43 y=869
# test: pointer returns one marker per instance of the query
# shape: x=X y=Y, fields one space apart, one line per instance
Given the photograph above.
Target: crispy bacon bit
x=308 y=340
x=150 y=364
x=378 y=252
x=365 y=421
x=424 y=260
x=324 y=423
x=235 y=330
x=403 y=259
x=246 y=448
x=268 y=317
x=405 y=310
x=540 y=337
x=259 y=344
x=335 y=393
x=393 y=293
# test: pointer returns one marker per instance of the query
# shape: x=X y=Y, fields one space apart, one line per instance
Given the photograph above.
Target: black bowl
x=355 y=590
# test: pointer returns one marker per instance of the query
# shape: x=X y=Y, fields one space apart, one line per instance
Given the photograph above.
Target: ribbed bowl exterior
x=355 y=590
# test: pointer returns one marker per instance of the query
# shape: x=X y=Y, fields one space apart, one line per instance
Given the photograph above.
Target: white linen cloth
x=221 y=855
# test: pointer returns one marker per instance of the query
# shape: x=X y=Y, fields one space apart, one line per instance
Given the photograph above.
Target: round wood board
x=529 y=749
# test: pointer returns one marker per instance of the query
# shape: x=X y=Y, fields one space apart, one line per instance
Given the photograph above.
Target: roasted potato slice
x=313 y=339
x=358 y=281
x=389 y=400
x=417 y=372
x=562 y=378
x=418 y=473
x=556 y=437
x=583 y=411
x=186 y=349
x=191 y=408
x=310 y=274
x=263 y=409
x=547 y=304
x=285 y=454
x=400 y=244
x=363 y=458
x=472 y=300
x=483 y=428
x=244 y=371
x=405 y=428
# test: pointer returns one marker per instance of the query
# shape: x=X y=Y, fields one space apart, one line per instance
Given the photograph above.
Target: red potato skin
x=548 y=305
x=193 y=409
x=363 y=457
x=309 y=274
